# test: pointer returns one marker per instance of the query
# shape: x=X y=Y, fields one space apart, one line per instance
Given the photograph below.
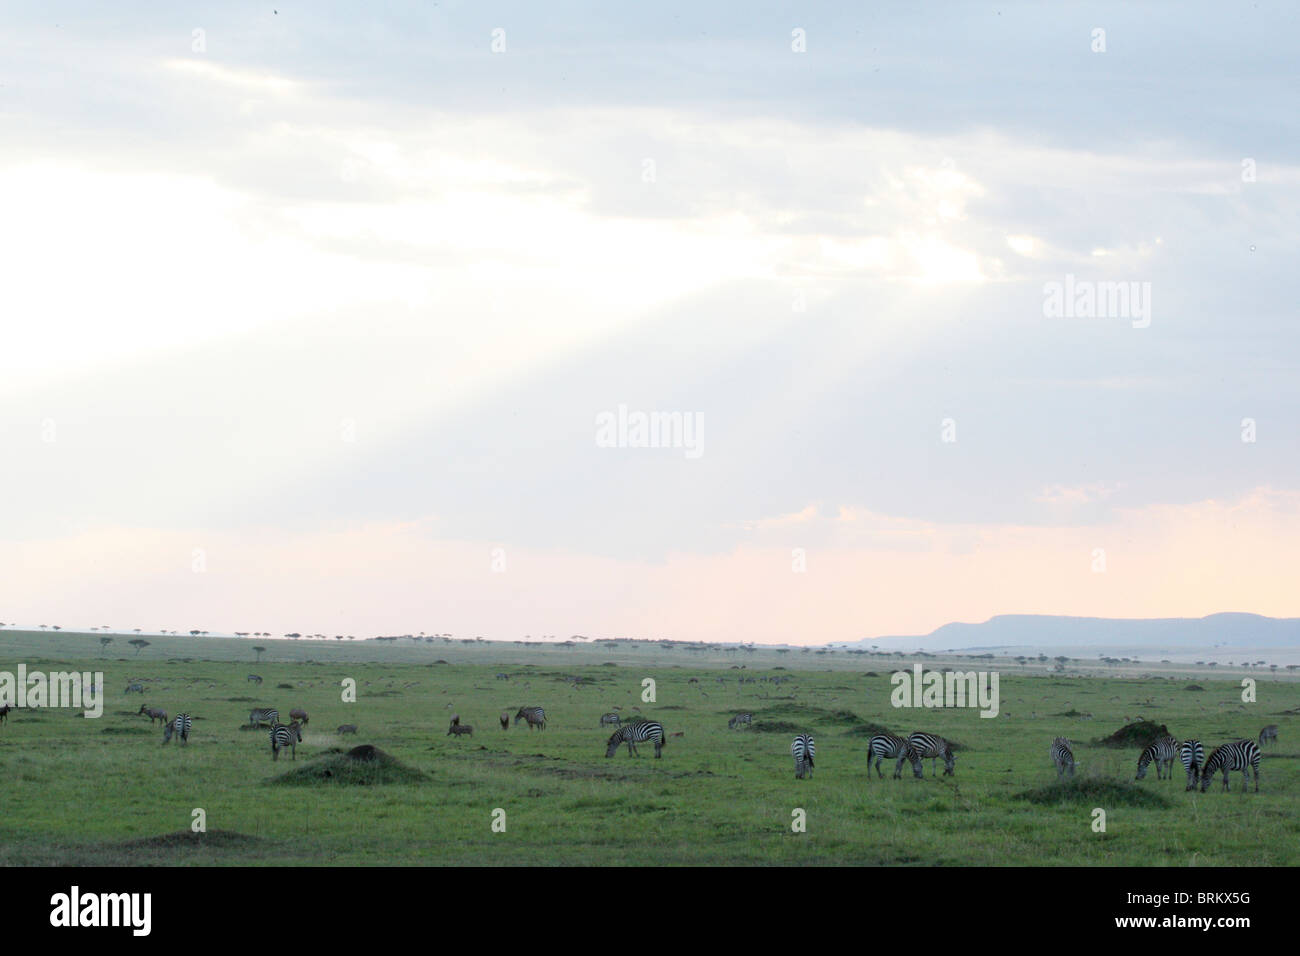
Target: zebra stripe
x=535 y=716
x=1238 y=755
x=285 y=735
x=803 y=750
x=1192 y=753
x=746 y=720
x=1162 y=750
x=608 y=719
x=929 y=745
x=263 y=715
x=637 y=732
x=1062 y=756
x=180 y=726
x=883 y=746
x=1268 y=733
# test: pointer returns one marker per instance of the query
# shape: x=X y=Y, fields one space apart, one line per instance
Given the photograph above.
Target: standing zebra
x=285 y=735
x=1268 y=733
x=180 y=726
x=1062 y=756
x=263 y=715
x=1238 y=755
x=608 y=719
x=135 y=687
x=887 y=745
x=254 y=679
x=1162 y=750
x=741 y=720
x=1192 y=754
x=505 y=720
x=535 y=716
x=635 y=733
x=803 y=750
x=928 y=745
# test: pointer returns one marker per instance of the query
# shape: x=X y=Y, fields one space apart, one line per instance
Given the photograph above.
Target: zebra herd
x=1243 y=755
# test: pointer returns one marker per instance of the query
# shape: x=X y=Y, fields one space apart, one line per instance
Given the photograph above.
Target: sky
x=331 y=319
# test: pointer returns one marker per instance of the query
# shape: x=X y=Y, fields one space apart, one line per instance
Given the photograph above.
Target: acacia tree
x=139 y=645
x=103 y=644
x=259 y=651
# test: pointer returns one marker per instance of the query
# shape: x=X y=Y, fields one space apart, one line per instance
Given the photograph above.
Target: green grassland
x=106 y=792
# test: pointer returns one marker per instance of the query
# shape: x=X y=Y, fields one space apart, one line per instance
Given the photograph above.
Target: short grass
x=107 y=792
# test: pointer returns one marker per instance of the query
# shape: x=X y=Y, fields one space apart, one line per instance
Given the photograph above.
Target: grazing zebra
x=1062 y=756
x=741 y=720
x=503 y=677
x=1238 y=755
x=928 y=745
x=1268 y=733
x=263 y=715
x=887 y=745
x=180 y=726
x=1192 y=754
x=505 y=720
x=254 y=679
x=347 y=729
x=803 y=752
x=459 y=729
x=607 y=719
x=1162 y=750
x=299 y=715
x=153 y=713
x=282 y=736
x=635 y=733
x=136 y=688
x=535 y=716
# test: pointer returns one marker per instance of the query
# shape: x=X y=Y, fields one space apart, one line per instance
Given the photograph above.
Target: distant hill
x=1220 y=632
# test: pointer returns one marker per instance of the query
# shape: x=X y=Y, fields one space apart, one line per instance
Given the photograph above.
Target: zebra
x=535 y=716
x=1192 y=753
x=135 y=687
x=1062 y=756
x=285 y=735
x=347 y=729
x=180 y=726
x=928 y=745
x=1162 y=750
x=1268 y=733
x=299 y=715
x=503 y=677
x=505 y=720
x=1238 y=755
x=803 y=751
x=263 y=715
x=254 y=679
x=887 y=745
x=458 y=729
x=741 y=720
x=153 y=713
x=635 y=733
x=4 y=712
x=607 y=719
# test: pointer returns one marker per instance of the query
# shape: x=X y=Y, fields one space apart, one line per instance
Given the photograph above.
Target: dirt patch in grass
x=1193 y=687
x=820 y=715
x=187 y=839
x=242 y=700
x=365 y=766
x=137 y=731
x=866 y=730
x=776 y=727
x=1095 y=792
x=1137 y=734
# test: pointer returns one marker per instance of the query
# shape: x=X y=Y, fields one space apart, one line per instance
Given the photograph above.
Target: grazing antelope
x=347 y=729
x=4 y=712
x=299 y=715
x=153 y=713
x=1267 y=734
x=460 y=729
x=285 y=735
x=135 y=687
